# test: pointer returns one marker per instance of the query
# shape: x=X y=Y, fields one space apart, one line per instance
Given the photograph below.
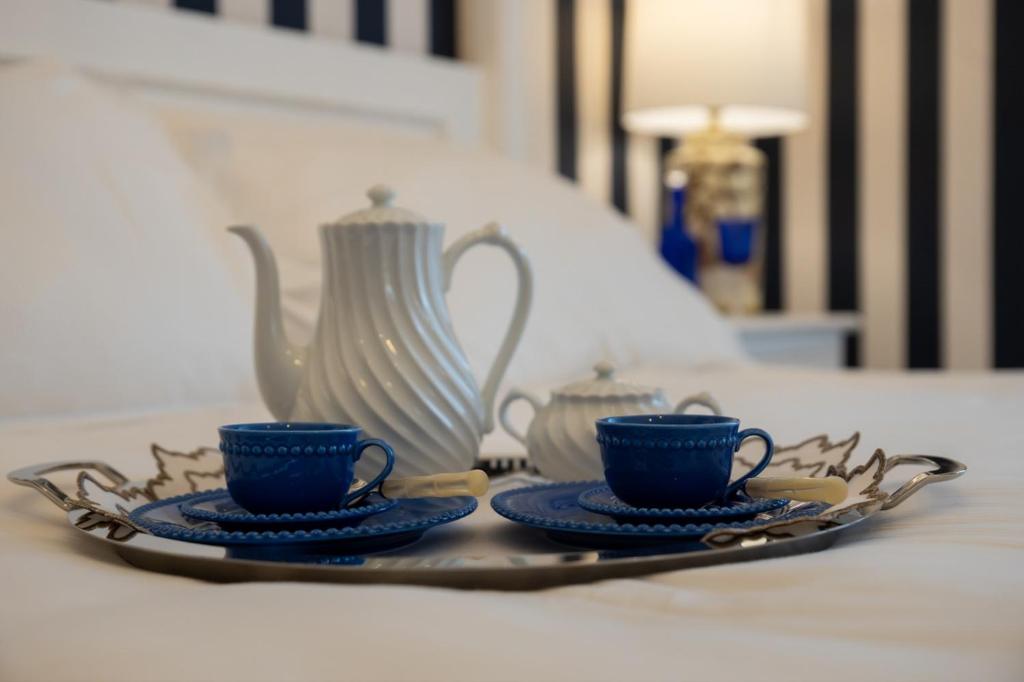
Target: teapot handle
x=495 y=235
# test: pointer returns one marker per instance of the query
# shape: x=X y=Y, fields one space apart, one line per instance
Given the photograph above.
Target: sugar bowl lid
x=605 y=386
x=381 y=212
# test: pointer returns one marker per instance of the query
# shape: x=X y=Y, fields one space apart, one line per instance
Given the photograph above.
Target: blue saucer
x=601 y=500
x=405 y=522
x=553 y=508
x=222 y=509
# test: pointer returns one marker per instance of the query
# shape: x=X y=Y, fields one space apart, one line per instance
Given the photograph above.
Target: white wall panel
x=643 y=186
x=513 y=42
x=247 y=11
x=332 y=18
x=593 y=98
x=966 y=209
x=409 y=25
x=882 y=208
x=804 y=201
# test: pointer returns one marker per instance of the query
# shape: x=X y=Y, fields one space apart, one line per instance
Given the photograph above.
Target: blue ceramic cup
x=674 y=460
x=279 y=468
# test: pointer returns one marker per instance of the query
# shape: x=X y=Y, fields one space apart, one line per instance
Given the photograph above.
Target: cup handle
x=384 y=473
x=769 y=450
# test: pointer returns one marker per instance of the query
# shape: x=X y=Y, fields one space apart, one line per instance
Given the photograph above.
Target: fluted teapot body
x=384 y=355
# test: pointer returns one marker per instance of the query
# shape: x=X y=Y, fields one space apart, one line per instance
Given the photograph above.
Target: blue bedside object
x=736 y=237
x=293 y=467
x=677 y=247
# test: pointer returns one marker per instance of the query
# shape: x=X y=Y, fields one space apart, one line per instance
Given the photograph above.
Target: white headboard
x=177 y=54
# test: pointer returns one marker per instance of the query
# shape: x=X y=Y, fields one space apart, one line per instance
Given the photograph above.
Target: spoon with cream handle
x=474 y=483
x=830 y=489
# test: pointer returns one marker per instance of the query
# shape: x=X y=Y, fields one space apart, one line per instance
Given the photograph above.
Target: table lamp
x=716 y=73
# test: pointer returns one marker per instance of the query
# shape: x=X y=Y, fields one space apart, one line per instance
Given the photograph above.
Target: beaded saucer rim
x=610 y=527
x=175 y=532
x=188 y=508
x=740 y=508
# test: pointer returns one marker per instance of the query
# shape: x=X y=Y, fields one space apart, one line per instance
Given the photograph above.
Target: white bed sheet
x=930 y=590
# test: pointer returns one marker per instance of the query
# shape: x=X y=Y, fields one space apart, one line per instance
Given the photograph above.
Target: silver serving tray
x=483 y=551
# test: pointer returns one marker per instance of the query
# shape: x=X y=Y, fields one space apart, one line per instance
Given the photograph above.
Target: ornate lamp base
x=725 y=189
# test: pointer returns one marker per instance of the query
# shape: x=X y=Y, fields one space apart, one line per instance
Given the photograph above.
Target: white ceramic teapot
x=384 y=356
x=561 y=439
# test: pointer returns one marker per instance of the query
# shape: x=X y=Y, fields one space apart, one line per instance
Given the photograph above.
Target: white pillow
x=600 y=290
x=113 y=295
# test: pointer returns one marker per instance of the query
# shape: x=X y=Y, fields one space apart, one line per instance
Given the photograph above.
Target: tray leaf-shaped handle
x=945 y=469
x=35 y=477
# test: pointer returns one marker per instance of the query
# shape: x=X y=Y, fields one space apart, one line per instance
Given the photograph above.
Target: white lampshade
x=746 y=57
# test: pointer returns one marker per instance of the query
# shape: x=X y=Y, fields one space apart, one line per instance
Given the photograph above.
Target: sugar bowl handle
x=512 y=396
x=704 y=399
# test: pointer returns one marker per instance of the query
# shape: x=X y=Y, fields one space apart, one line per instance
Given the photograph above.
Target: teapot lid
x=605 y=386
x=382 y=211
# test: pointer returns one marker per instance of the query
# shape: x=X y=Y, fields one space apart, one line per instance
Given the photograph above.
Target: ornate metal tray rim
x=487 y=571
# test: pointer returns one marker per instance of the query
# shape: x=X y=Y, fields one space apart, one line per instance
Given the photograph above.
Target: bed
x=128 y=313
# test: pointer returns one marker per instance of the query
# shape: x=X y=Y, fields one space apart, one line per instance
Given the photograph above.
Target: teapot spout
x=279 y=364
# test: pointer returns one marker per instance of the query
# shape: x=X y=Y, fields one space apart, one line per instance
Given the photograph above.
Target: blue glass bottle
x=677 y=247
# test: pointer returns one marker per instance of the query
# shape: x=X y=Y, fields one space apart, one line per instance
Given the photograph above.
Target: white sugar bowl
x=561 y=438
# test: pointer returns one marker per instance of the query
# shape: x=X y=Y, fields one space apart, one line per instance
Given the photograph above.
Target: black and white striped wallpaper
x=898 y=201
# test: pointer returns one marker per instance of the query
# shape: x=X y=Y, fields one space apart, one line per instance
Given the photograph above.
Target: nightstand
x=807 y=340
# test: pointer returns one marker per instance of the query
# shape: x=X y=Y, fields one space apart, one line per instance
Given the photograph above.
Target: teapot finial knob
x=381 y=195
x=604 y=369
